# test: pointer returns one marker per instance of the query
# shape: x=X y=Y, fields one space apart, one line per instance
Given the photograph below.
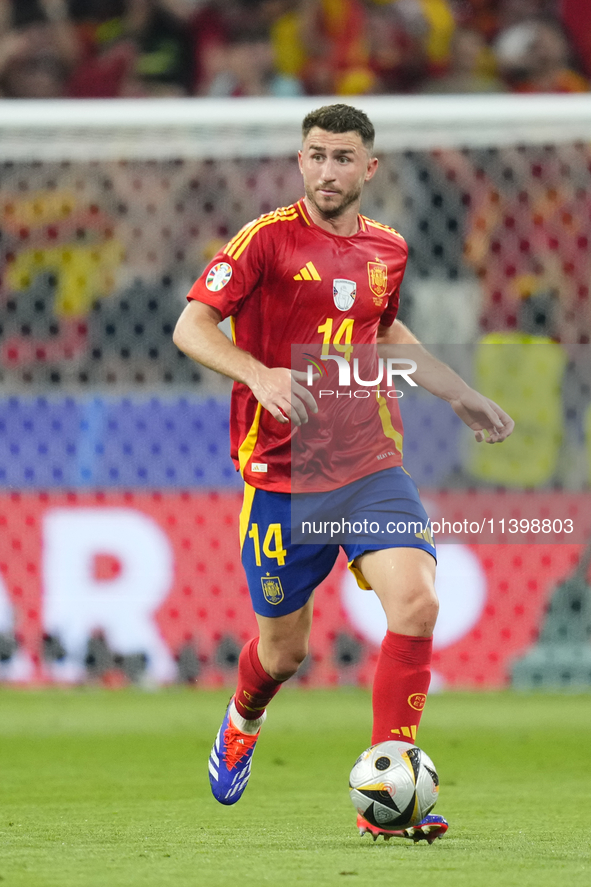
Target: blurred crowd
x=158 y=48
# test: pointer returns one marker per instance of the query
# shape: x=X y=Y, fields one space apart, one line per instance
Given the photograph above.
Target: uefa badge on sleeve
x=218 y=277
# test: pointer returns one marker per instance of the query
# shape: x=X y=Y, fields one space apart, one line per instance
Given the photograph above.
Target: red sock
x=255 y=687
x=400 y=687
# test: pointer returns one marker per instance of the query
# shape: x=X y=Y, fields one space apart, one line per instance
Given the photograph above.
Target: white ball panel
x=384 y=788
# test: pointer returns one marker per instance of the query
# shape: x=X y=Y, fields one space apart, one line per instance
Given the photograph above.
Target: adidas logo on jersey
x=308 y=272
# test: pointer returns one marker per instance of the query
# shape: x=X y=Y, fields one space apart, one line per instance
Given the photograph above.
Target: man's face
x=335 y=166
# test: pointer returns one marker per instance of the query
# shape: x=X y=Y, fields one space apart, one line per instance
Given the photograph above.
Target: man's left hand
x=486 y=418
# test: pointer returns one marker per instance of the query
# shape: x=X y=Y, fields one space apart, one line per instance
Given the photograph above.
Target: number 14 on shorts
x=272 y=543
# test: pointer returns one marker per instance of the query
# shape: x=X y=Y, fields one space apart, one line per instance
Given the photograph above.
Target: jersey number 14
x=272 y=537
x=342 y=339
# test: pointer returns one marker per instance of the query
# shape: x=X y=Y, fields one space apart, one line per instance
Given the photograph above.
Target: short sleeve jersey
x=284 y=280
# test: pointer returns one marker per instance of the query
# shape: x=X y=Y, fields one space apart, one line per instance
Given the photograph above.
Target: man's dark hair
x=341 y=118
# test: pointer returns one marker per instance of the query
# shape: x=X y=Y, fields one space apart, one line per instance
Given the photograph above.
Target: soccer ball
x=393 y=785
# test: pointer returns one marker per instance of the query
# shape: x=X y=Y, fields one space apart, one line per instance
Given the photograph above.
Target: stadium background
x=118 y=553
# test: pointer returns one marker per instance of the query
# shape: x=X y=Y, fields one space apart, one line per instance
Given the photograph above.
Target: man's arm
x=197 y=334
x=486 y=418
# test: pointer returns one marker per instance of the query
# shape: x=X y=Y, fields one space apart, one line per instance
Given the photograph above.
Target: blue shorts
x=285 y=561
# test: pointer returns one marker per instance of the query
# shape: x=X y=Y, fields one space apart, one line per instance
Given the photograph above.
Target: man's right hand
x=279 y=391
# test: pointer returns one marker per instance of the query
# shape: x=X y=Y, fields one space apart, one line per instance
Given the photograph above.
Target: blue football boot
x=231 y=757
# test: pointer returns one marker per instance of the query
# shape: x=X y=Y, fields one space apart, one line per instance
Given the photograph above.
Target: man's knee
x=412 y=610
x=282 y=663
x=423 y=608
x=283 y=642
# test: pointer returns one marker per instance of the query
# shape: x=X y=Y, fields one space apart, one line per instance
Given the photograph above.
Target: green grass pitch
x=109 y=789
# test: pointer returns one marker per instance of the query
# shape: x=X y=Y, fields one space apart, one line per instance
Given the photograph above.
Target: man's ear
x=372 y=167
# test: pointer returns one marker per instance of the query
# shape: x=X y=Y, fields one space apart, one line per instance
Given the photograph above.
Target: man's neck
x=344 y=225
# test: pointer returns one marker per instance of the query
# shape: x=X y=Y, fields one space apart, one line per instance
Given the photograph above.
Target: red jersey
x=285 y=280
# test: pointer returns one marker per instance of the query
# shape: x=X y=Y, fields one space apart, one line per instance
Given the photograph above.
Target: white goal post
x=158 y=129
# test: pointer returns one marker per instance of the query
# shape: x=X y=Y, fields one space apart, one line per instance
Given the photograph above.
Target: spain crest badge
x=272 y=589
x=378 y=280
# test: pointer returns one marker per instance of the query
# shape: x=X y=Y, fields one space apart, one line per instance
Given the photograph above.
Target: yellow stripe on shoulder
x=381 y=227
x=238 y=244
x=276 y=217
x=244 y=231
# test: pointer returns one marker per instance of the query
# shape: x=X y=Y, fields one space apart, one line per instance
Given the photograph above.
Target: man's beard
x=335 y=211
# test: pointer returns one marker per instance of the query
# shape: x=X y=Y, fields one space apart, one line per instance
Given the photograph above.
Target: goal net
x=109 y=210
